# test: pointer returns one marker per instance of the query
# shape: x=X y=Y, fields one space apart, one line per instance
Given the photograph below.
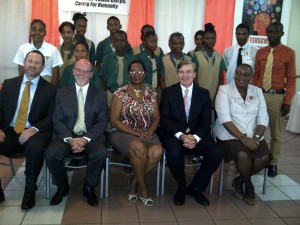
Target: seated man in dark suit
x=79 y=119
x=185 y=128
x=26 y=107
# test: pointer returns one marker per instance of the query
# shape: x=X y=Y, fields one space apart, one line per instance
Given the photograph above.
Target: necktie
x=267 y=81
x=79 y=127
x=154 y=73
x=186 y=103
x=120 y=71
x=239 y=58
x=23 y=109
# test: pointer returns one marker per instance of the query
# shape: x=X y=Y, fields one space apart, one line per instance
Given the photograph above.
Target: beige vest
x=170 y=70
x=137 y=49
x=208 y=75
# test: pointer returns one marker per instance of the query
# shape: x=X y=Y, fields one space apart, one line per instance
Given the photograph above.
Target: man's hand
x=189 y=141
x=250 y=143
x=26 y=134
x=77 y=144
x=285 y=109
x=2 y=135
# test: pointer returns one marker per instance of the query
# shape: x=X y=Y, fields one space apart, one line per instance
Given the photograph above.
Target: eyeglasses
x=82 y=70
x=246 y=75
x=136 y=72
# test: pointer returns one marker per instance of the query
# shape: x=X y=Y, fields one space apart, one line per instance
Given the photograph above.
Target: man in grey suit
x=79 y=119
x=26 y=107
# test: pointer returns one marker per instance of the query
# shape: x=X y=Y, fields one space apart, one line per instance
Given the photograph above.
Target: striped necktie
x=267 y=82
x=23 y=109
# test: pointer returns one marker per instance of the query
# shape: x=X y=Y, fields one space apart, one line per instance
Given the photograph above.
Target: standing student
x=275 y=73
x=52 y=57
x=241 y=52
x=152 y=62
x=137 y=49
x=80 y=23
x=210 y=63
x=106 y=47
x=66 y=50
x=198 y=40
x=170 y=61
x=114 y=66
x=26 y=108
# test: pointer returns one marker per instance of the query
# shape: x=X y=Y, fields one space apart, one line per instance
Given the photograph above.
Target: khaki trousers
x=274 y=103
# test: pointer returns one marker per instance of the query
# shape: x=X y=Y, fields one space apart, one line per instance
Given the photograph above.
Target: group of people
x=152 y=101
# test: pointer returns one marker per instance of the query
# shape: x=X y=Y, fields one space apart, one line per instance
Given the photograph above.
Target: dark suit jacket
x=172 y=113
x=66 y=110
x=40 y=115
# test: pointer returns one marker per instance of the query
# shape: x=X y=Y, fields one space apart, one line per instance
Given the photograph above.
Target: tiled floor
x=280 y=205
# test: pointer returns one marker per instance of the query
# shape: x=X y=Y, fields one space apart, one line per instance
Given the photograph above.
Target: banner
x=118 y=7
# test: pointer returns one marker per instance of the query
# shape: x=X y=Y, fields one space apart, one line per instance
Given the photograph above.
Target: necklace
x=137 y=91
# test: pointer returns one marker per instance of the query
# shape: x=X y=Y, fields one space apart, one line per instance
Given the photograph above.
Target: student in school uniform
x=114 y=66
x=152 y=62
x=80 y=23
x=105 y=46
x=52 y=57
x=137 y=49
x=170 y=61
x=198 y=38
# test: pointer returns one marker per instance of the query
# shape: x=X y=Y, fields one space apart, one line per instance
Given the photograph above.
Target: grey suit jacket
x=66 y=110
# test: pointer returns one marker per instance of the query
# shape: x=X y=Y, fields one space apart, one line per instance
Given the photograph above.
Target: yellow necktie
x=79 y=127
x=23 y=109
x=120 y=71
x=267 y=82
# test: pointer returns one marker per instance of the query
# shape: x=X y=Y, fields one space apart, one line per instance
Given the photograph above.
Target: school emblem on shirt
x=244 y=53
x=47 y=59
x=251 y=98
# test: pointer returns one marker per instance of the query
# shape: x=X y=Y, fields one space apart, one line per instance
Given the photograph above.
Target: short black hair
x=38 y=21
x=82 y=43
x=176 y=34
x=37 y=52
x=199 y=32
x=66 y=24
x=243 y=26
x=148 y=34
x=79 y=16
x=113 y=18
x=146 y=26
x=246 y=65
x=122 y=32
x=276 y=24
x=137 y=61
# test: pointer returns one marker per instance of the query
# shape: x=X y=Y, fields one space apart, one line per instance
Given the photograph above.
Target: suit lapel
x=15 y=94
x=73 y=98
x=38 y=91
x=88 y=103
x=179 y=99
x=193 y=102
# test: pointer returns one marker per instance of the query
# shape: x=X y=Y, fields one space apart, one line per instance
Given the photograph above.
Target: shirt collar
x=33 y=81
x=190 y=88
x=245 y=46
x=33 y=47
x=84 y=88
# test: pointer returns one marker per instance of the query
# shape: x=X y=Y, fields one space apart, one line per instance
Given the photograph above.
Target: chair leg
x=158 y=179
x=101 y=183
x=163 y=174
x=265 y=180
x=211 y=184
x=221 y=178
x=106 y=176
x=11 y=163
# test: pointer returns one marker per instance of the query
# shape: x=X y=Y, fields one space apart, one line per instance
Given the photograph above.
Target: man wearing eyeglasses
x=80 y=119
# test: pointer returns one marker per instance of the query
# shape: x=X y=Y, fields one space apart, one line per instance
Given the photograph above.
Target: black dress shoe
x=199 y=196
x=89 y=193
x=28 y=200
x=179 y=197
x=2 y=197
x=60 y=193
x=272 y=171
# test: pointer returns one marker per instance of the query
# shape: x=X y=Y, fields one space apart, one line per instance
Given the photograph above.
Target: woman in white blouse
x=242 y=121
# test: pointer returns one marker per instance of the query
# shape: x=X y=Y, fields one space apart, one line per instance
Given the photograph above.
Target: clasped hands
x=77 y=144
x=251 y=143
x=189 y=141
x=145 y=134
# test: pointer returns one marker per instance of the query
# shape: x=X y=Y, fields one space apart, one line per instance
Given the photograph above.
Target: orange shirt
x=283 y=70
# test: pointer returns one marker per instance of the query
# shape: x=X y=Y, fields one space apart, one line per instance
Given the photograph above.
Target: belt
x=273 y=92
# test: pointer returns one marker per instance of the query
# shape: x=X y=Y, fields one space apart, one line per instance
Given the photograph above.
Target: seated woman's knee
x=156 y=152
x=137 y=148
x=241 y=155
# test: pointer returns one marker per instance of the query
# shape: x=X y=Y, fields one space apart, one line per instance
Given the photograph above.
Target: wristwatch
x=257 y=136
x=242 y=135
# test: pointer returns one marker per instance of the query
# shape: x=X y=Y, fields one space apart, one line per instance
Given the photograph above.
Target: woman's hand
x=250 y=143
x=145 y=134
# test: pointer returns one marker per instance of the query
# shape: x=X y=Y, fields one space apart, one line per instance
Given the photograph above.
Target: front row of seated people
x=78 y=117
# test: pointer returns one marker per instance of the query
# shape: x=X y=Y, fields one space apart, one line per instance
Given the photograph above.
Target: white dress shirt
x=230 y=58
x=246 y=115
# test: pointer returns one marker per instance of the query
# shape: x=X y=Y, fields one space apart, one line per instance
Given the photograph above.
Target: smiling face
x=243 y=74
x=83 y=72
x=37 y=32
x=80 y=27
x=33 y=65
x=150 y=43
x=186 y=75
x=136 y=74
x=80 y=52
x=67 y=34
x=177 y=44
